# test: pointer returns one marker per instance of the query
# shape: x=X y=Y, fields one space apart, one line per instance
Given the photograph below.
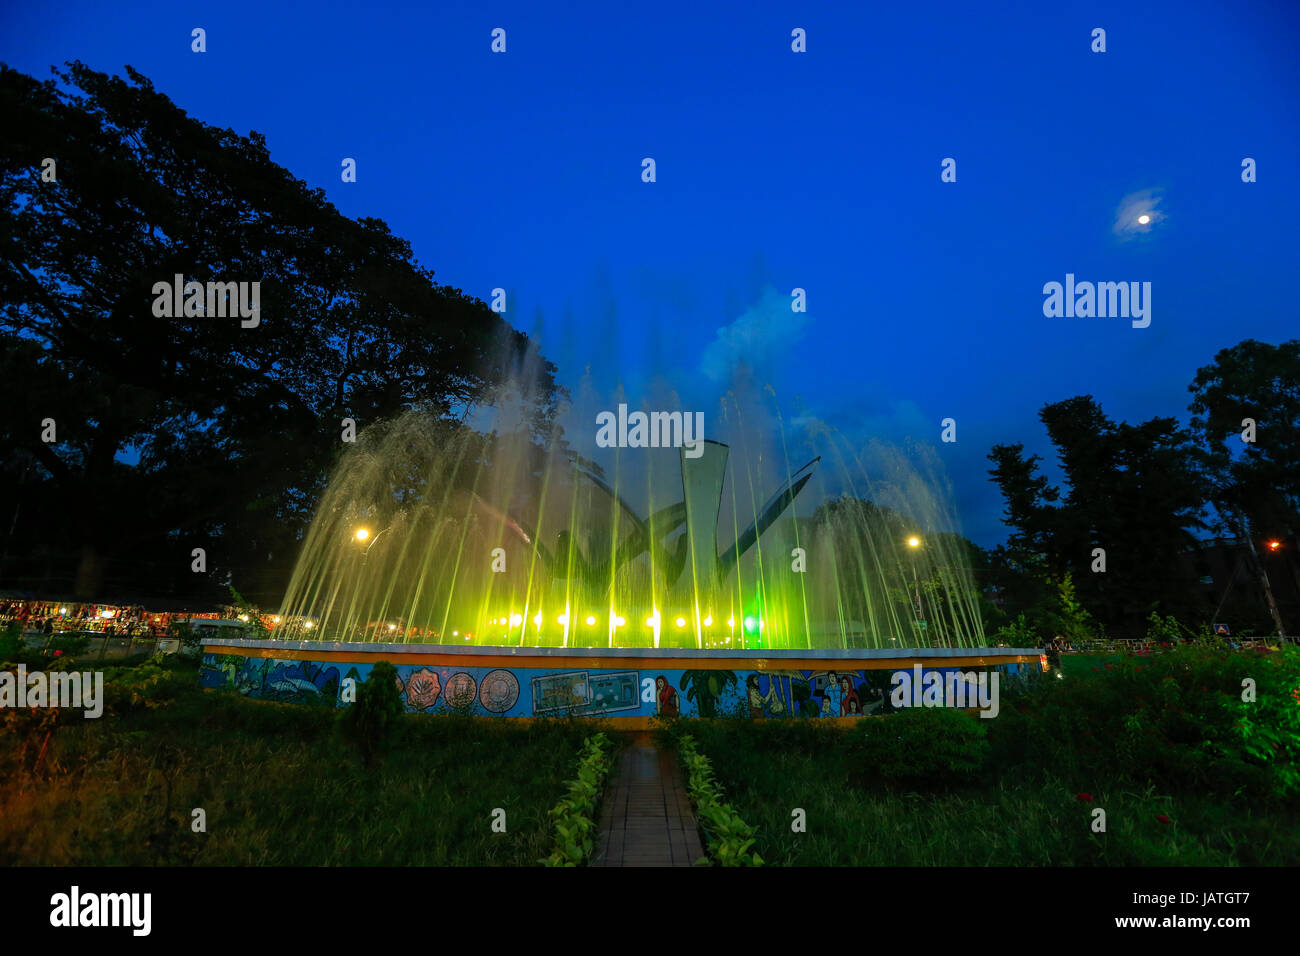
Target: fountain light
x=652 y=620
x=537 y=620
x=731 y=622
x=913 y=542
x=708 y=621
x=516 y=620
x=362 y=534
x=591 y=620
x=392 y=627
x=563 y=620
x=680 y=622
x=1143 y=219
x=309 y=625
x=619 y=620
x=749 y=624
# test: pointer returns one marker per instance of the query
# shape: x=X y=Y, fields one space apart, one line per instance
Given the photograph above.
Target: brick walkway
x=646 y=818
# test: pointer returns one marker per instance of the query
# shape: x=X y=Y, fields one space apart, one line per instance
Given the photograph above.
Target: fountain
x=504 y=573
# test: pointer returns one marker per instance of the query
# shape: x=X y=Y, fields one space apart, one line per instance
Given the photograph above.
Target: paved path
x=646 y=817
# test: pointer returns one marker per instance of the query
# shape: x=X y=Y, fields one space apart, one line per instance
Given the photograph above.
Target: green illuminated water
x=432 y=532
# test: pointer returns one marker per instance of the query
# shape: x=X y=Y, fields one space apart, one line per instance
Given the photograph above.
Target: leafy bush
x=729 y=838
x=146 y=686
x=1164 y=630
x=574 y=817
x=69 y=644
x=13 y=651
x=1017 y=634
x=371 y=721
x=1174 y=719
x=938 y=744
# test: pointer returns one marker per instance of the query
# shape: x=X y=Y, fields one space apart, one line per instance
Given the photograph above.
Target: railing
x=1146 y=646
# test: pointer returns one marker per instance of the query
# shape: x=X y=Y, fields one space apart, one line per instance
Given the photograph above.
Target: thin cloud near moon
x=1133 y=209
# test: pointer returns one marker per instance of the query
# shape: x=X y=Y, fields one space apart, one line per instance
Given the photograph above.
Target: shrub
x=1174 y=719
x=71 y=645
x=146 y=686
x=574 y=817
x=1018 y=633
x=729 y=838
x=370 y=723
x=921 y=744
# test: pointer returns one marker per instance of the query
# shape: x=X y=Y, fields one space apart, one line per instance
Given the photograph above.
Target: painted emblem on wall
x=498 y=691
x=460 y=691
x=422 y=689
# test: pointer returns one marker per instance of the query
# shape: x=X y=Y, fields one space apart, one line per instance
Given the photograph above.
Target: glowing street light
x=362 y=535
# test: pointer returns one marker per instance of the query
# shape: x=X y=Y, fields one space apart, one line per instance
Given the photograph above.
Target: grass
x=1018 y=820
x=279 y=787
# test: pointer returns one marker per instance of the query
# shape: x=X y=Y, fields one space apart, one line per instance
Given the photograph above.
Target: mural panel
x=556 y=692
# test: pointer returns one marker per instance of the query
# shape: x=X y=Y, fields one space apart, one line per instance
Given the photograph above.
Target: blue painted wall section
x=614 y=692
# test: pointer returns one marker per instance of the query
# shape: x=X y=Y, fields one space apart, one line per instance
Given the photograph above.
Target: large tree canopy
x=1132 y=490
x=193 y=431
x=1257 y=479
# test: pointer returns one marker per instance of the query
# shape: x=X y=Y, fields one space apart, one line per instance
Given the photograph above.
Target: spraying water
x=493 y=532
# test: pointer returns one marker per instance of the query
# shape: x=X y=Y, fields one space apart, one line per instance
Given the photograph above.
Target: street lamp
x=913 y=543
x=362 y=535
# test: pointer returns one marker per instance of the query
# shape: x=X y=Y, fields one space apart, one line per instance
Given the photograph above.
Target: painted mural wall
x=614 y=692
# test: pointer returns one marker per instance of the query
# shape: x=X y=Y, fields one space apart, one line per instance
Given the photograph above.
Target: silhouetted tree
x=1133 y=490
x=193 y=431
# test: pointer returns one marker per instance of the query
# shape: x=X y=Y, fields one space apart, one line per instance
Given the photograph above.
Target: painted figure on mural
x=833 y=696
x=667 y=697
x=849 y=703
x=757 y=701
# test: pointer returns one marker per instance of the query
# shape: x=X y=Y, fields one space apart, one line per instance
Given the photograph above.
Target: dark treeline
x=1146 y=497
x=193 y=431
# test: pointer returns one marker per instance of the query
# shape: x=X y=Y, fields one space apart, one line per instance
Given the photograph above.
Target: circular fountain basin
x=628 y=687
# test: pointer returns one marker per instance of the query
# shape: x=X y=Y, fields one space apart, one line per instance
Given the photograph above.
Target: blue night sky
x=779 y=170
